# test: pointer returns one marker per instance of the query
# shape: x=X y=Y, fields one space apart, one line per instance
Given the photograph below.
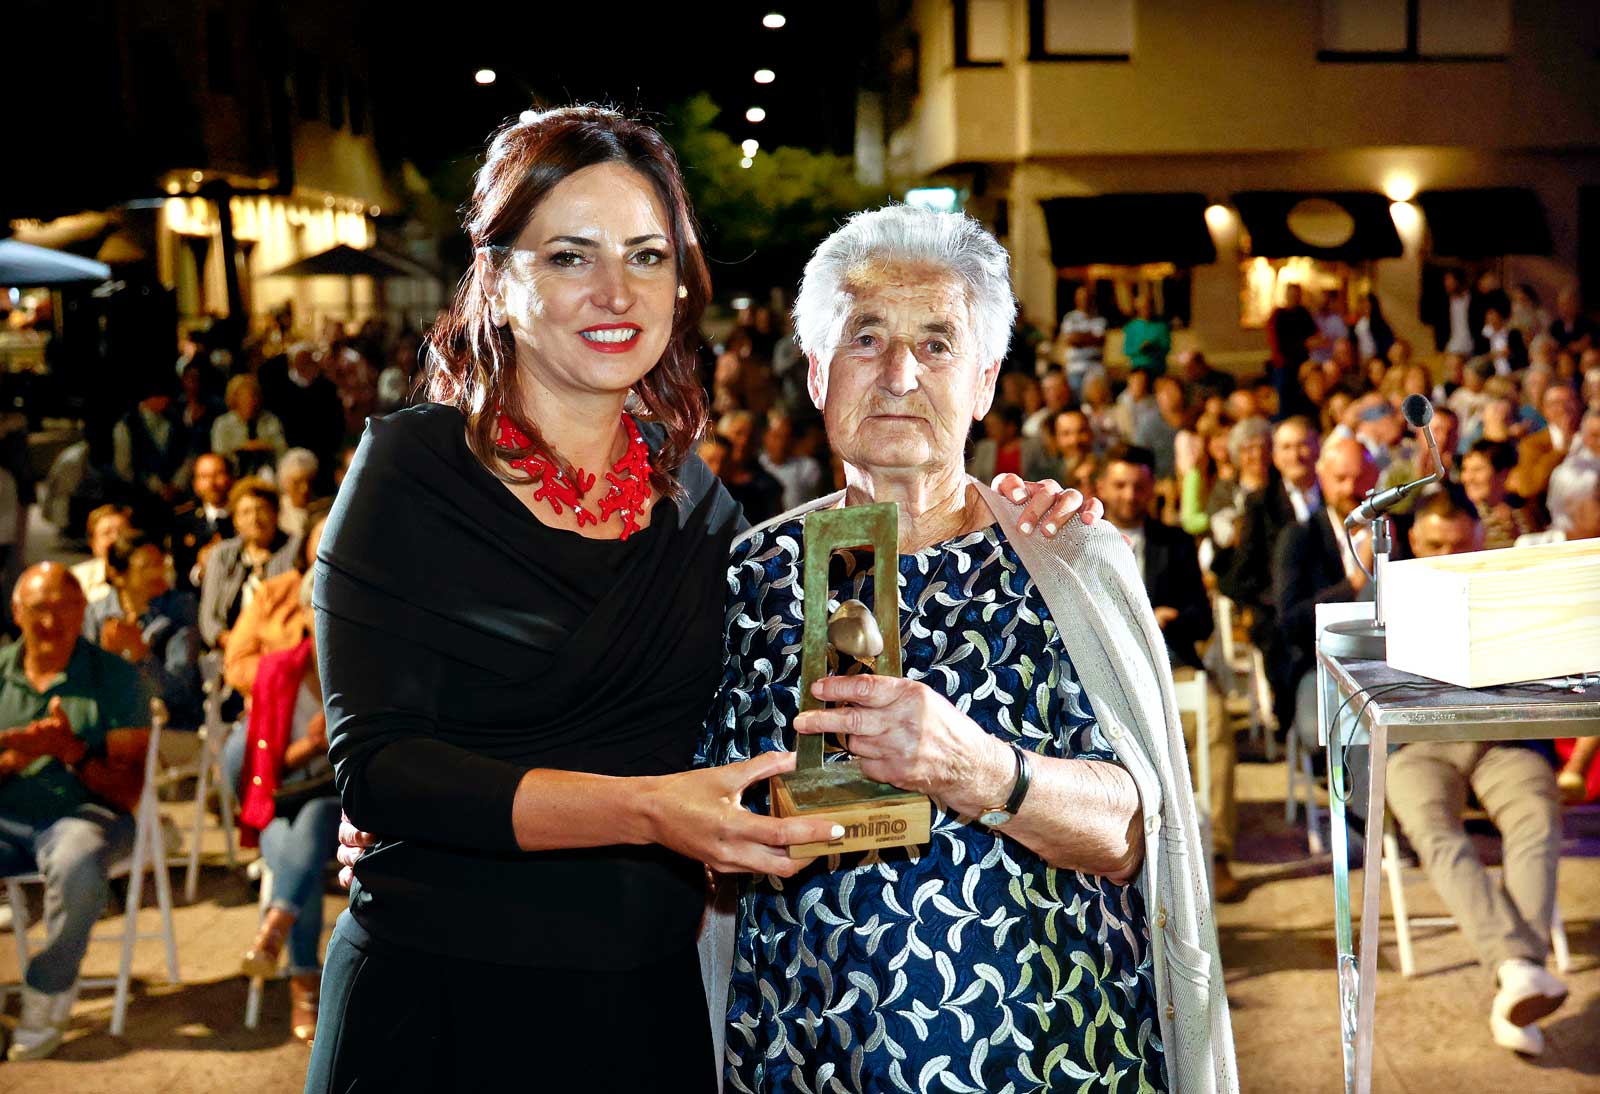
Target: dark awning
x=1485 y=223
x=1338 y=225
x=1129 y=230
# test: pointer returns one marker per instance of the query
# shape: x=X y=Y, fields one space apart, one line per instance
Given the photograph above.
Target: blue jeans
x=295 y=851
x=74 y=854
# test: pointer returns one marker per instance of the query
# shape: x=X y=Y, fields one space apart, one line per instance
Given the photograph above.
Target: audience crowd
x=201 y=530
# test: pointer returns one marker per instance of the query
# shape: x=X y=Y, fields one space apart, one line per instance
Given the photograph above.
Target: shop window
x=1080 y=30
x=982 y=32
x=1415 y=30
x=1264 y=281
x=1117 y=288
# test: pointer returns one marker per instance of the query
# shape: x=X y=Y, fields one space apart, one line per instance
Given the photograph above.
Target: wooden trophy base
x=874 y=815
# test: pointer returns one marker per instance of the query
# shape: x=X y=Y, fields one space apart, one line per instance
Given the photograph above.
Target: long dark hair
x=471 y=363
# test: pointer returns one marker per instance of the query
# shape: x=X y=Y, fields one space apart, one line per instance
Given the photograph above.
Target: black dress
x=462 y=642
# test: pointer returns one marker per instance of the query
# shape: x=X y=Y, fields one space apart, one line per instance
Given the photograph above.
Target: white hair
x=297 y=459
x=903 y=233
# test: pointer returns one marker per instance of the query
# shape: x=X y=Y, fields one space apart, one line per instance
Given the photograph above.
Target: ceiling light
x=765 y=76
x=755 y=115
x=773 y=20
x=484 y=76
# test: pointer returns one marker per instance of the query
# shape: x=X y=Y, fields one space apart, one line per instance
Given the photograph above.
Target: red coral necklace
x=629 y=479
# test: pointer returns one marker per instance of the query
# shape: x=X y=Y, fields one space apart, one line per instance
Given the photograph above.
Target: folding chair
x=209 y=778
x=252 y=1000
x=148 y=854
x=1244 y=669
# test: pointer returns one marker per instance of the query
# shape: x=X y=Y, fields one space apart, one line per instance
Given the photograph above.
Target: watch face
x=994 y=818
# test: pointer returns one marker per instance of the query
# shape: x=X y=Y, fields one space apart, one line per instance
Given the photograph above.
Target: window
x=1415 y=30
x=219 y=54
x=308 y=87
x=982 y=33
x=1080 y=30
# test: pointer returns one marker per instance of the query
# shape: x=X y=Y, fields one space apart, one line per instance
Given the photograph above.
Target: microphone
x=1418 y=413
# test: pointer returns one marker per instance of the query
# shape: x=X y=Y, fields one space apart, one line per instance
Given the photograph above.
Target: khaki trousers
x=1224 y=756
x=1428 y=783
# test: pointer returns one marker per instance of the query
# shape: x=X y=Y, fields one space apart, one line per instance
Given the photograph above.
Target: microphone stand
x=1367 y=639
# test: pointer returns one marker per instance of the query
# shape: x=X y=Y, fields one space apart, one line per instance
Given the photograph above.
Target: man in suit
x=1314 y=563
x=1170 y=566
x=1541 y=453
x=203 y=521
x=1290 y=498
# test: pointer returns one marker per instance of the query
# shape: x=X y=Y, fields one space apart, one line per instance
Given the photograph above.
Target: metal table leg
x=1338 y=824
x=1371 y=886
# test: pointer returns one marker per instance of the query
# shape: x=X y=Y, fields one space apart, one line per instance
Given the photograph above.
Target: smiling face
x=589 y=287
x=905 y=382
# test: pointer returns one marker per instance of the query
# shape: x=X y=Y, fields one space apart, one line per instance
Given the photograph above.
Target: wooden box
x=1496 y=617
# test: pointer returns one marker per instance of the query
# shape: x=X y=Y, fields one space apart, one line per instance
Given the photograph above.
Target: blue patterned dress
x=969 y=964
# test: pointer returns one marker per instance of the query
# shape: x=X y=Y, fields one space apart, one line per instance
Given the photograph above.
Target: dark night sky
x=641 y=57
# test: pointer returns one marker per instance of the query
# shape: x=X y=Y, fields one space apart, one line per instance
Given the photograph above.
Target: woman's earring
x=683 y=292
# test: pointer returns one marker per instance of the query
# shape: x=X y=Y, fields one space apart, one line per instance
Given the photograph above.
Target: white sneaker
x=44 y=1021
x=1523 y=1040
x=1527 y=992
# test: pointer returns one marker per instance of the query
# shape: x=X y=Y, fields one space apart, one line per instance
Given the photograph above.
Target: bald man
x=71 y=768
x=1314 y=563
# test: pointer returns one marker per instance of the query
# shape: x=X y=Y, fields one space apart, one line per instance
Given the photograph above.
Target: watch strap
x=1019 y=791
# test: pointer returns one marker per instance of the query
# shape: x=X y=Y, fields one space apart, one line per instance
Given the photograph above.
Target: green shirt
x=99 y=692
x=1146 y=342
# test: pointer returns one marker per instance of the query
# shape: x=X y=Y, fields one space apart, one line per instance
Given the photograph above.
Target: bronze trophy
x=873 y=814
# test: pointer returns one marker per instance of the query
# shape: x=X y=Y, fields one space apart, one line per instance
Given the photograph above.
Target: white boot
x=1527 y=992
x=44 y=1021
x=1523 y=1040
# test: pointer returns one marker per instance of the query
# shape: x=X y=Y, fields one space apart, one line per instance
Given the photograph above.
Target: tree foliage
x=760 y=223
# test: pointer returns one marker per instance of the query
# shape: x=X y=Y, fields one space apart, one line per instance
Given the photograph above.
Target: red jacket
x=278 y=680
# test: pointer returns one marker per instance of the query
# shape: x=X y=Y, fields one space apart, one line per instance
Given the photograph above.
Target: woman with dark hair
x=519 y=615
x=1502 y=516
x=1373 y=334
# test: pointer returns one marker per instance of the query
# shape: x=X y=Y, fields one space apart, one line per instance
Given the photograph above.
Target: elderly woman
x=251 y=436
x=297 y=471
x=1063 y=940
x=236 y=568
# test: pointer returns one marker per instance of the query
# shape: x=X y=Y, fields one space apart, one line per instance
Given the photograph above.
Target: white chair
x=1244 y=670
x=208 y=775
x=1193 y=697
x=148 y=854
x=252 y=1000
x=1404 y=921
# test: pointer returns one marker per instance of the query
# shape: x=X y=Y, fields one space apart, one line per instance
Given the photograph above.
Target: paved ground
x=1277 y=946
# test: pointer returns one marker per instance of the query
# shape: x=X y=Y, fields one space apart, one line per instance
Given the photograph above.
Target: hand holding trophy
x=873 y=814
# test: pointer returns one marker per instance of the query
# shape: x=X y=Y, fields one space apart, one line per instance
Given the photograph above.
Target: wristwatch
x=997 y=815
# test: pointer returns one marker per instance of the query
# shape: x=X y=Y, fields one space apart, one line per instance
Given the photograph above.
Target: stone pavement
x=1277 y=946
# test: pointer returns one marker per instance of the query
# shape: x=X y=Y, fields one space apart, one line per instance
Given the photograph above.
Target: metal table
x=1418 y=709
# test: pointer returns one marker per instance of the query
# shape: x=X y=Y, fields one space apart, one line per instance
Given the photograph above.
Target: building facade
x=1211 y=154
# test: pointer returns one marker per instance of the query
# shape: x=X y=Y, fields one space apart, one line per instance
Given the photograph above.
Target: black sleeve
x=395 y=777
x=1187 y=591
x=384 y=674
x=1295 y=581
x=1249 y=572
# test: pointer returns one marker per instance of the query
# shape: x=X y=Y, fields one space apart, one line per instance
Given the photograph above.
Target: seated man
x=1313 y=563
x=1169 y=564
x=1006 y=712
x=71 y=771
x=203 y=521
x=1508 y=924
